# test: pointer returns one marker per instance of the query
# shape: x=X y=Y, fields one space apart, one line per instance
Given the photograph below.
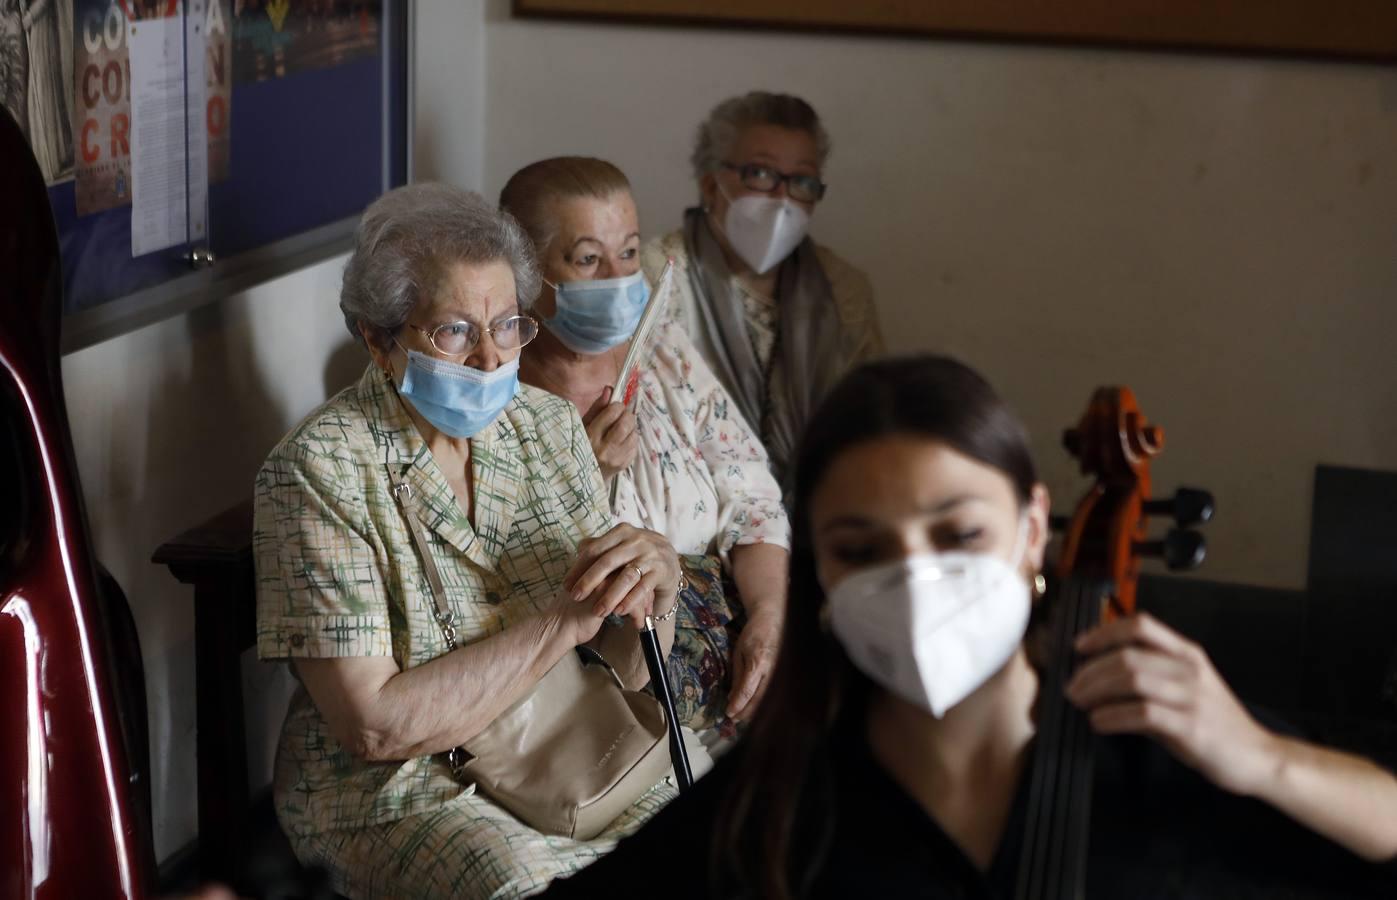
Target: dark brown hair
x=773 y=824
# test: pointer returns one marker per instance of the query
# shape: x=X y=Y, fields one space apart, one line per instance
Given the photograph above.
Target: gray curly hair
x=407 y=240
x=720 y=131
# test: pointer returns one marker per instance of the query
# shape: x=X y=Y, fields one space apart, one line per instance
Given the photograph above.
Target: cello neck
x=1053 y=861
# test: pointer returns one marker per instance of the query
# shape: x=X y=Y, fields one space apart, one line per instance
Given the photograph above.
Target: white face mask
x=933 y=628
x=764 y=230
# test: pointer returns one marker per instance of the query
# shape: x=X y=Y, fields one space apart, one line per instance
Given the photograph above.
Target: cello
x=74 y=803
x=1095 y=580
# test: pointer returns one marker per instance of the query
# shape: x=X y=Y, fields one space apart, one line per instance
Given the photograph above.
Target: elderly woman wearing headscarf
x=509 y=503
x=778 y=318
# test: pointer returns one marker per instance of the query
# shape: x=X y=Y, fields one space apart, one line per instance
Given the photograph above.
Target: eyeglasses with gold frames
x=460 y=338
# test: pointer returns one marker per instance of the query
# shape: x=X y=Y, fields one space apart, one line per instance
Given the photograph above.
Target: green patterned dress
x=337 y=576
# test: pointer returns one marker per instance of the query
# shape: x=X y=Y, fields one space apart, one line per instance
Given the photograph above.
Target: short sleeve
x=320 y=590
x=749 y=498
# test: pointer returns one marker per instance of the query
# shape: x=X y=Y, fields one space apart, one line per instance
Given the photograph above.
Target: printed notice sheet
x=196 y=132
x=167 y=158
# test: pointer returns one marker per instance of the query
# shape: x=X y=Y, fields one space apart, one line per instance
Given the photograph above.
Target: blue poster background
x=306 y=149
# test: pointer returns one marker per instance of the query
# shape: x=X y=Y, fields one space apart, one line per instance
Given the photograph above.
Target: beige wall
x=1217 y=233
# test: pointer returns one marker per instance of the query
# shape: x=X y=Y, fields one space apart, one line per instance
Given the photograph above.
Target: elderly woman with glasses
x=778 y=317
x=437 y=451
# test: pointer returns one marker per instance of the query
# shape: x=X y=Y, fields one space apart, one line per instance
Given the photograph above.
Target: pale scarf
x=812 y=349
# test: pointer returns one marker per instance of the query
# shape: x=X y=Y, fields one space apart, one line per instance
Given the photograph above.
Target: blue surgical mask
x=457 y=400
x=594 y=316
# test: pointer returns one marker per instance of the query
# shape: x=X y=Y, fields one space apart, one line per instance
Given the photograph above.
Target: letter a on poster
x=169 y=159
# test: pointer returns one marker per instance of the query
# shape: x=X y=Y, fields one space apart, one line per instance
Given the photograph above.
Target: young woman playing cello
x=892 y=755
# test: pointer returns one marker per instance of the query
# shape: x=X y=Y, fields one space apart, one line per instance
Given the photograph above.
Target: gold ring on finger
x=639 y=572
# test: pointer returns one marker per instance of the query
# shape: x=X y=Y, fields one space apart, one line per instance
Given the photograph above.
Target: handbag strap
x=402 y=492
x=457 y=757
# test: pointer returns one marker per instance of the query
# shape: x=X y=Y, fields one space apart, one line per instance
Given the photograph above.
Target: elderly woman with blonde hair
x=508 y=505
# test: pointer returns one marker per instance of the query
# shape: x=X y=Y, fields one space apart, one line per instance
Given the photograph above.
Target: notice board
x=195 y=147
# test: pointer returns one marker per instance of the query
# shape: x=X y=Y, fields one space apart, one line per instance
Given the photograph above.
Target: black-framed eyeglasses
x=756 y=177
x=460 y=338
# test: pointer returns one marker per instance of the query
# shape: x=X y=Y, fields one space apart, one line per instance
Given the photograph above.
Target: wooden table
x=216 y=558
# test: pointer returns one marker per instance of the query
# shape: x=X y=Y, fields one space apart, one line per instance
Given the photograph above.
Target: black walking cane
x=654 y=661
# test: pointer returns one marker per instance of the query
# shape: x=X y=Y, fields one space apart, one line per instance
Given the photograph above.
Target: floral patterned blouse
x=701 y=478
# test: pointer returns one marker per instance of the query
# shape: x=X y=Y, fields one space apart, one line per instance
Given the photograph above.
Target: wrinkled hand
x=575 y=620
x=752 y=661
x=1145 y=678
x=627 y=571
x=613 y=434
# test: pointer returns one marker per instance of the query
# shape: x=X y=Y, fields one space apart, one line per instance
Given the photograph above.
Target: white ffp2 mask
x=932 y=628
x=764 y=230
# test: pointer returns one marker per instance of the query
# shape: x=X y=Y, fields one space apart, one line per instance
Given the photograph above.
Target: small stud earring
x=1040 y=585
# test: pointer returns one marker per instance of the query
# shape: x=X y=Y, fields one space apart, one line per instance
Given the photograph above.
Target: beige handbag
x=571 y=755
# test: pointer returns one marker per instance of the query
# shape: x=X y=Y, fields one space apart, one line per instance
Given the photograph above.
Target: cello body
x=70 y=821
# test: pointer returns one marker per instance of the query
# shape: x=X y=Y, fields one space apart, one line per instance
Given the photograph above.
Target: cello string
x=1054 y=876
x=1066 y=756
x=1030 y=853
x=1077 y=834
x=1043 y=790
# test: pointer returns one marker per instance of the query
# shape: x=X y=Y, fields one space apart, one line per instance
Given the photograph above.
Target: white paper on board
x=169 y=146
x=196 y=131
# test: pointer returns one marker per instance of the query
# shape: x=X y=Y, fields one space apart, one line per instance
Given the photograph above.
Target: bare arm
x=1147 y=679
x=1346 y=798
x=380 y=713
x=759 y=571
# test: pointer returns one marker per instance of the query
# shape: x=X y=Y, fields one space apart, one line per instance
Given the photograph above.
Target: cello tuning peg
x=1188 y=506
x=1181 y=549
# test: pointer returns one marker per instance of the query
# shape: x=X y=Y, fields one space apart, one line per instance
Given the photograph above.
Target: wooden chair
x=215 y=557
